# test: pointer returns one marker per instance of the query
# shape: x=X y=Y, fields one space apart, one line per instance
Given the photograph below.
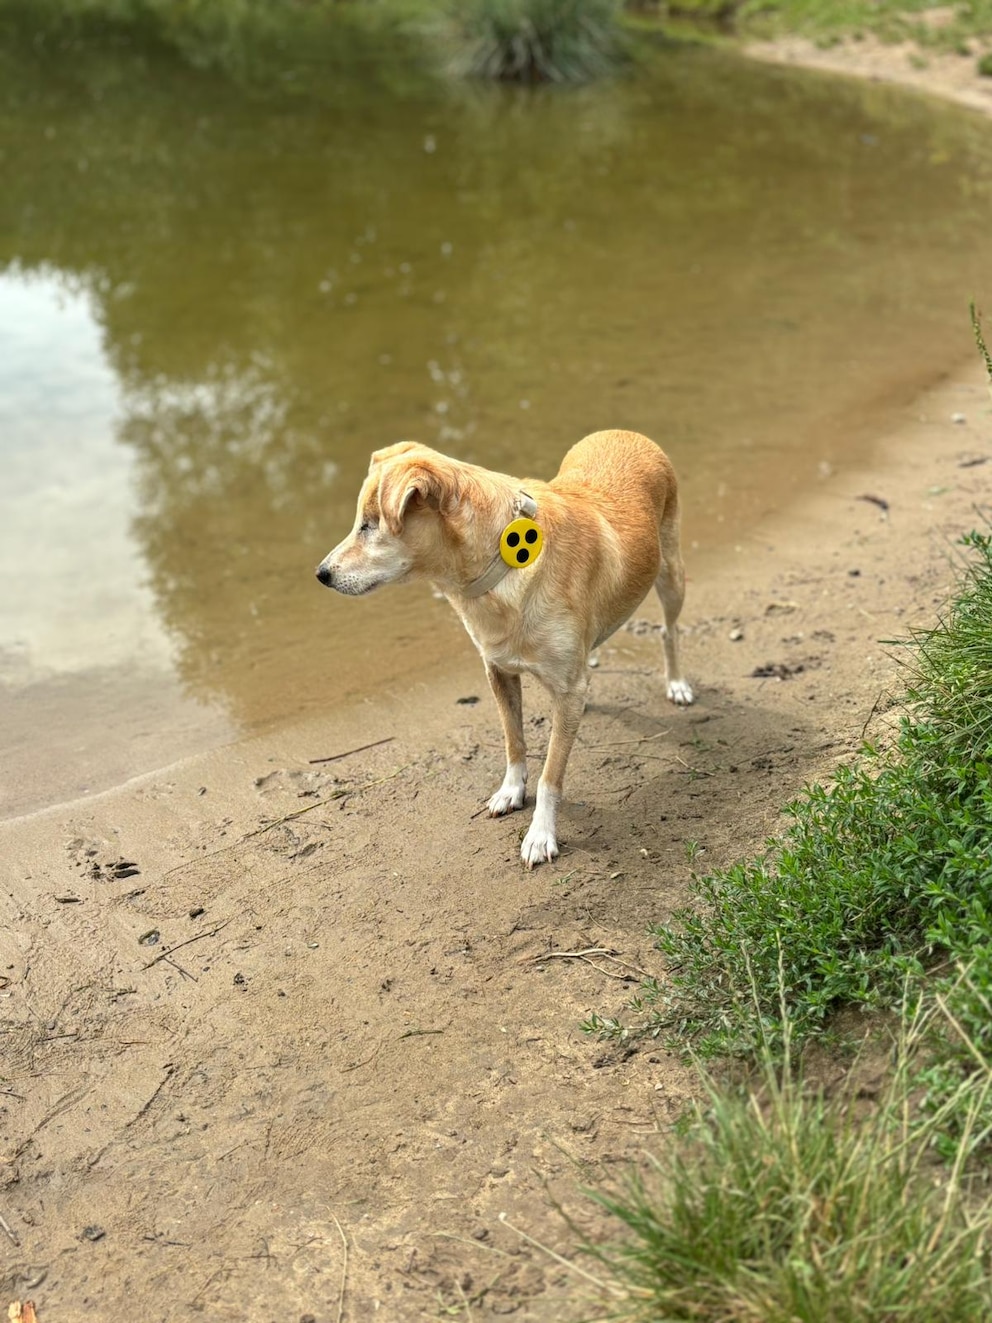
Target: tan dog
x=541 y=573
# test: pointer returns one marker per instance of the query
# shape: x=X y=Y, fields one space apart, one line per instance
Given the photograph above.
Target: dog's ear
x=391 y=452
x=417 y=483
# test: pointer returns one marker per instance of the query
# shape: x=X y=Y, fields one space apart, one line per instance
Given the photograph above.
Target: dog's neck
x=497 y=569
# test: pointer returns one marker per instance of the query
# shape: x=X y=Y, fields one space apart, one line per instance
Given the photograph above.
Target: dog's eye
x=366 y=526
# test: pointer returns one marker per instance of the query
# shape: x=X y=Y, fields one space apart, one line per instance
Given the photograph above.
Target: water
x=215 y=304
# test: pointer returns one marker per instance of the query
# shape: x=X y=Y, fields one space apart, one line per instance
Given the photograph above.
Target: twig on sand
x=297 y=813
x=344 y=1269
x=420 y=1033
x=164 y=955
x=5 y=1225
x=610 y=744
x=333 y=757
x=615 y=1291
x=603 y=951
x=184 y=972
x=880 y=501
x=365 y=1061
x=872 y=714
x=338 y=794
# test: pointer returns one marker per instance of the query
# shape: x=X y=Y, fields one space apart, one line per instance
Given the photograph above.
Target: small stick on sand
x=344 y=1269
x=298 y=813
x=333 y=757
x=585 y=954
x=164 y=955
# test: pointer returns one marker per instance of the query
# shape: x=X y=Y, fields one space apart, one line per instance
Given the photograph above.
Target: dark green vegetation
x=520 y=40
x=779 y=1205
x=511 y=40
x=879 y=892
x=533 y=41
x=299 y=48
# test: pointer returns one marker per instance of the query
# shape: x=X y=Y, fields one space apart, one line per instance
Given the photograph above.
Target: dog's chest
x=499 y=637
x=507 y=660
x=498 y=649
x=517 y=646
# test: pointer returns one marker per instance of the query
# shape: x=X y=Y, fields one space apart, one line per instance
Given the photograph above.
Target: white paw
x=511 y=793
x=505 y=801
x=539 y=846
x=679 y=691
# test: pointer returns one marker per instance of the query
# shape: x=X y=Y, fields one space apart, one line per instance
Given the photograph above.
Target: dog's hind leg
x=509 y=700
x=670 y=587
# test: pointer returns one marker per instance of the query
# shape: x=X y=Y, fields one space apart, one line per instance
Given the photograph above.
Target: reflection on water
x=72 y=600
x=216 y=306
x=87 y=669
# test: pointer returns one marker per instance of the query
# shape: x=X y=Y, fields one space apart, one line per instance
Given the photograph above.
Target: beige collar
x=497 y=569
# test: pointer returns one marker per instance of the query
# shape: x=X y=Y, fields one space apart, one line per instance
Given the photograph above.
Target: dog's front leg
x=541 y=841
x=509 y=699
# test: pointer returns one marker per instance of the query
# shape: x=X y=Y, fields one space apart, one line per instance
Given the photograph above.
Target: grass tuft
x=778 y=1204
x=535 y=41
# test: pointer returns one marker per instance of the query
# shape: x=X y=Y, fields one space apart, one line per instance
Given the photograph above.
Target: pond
x=214 y=304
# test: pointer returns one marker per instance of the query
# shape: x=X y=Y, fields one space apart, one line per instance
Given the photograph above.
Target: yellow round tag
x=521 y=543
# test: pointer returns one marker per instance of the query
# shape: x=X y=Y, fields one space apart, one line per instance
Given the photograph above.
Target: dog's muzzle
x=345 y=583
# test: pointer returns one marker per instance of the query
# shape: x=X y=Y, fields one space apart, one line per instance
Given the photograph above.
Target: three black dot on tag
x=521 y=543
x=513 y=540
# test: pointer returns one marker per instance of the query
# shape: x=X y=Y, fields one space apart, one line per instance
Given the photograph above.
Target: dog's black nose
x=324 y=575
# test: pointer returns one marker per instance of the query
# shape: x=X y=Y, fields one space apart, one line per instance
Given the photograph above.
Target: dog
x=541 y=573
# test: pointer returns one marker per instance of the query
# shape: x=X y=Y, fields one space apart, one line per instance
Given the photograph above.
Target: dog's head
x=404 y=526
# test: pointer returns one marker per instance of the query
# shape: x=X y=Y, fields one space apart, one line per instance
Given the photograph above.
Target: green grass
x=778 y=1204
x=890 y=20
x=881 y=882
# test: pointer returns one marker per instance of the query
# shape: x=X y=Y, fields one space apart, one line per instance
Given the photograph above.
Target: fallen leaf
x=22 y=1313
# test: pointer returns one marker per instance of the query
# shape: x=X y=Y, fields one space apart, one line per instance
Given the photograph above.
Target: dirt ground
x=285 y=1040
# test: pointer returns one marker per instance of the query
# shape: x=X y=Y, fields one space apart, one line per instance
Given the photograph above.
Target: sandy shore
x=947 y=76
x=276 y=1030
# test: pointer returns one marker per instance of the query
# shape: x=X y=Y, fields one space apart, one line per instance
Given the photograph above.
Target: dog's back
x=627 y=482
x=623 y=468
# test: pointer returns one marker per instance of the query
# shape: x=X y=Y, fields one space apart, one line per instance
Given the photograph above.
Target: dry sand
x=286 y=1040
